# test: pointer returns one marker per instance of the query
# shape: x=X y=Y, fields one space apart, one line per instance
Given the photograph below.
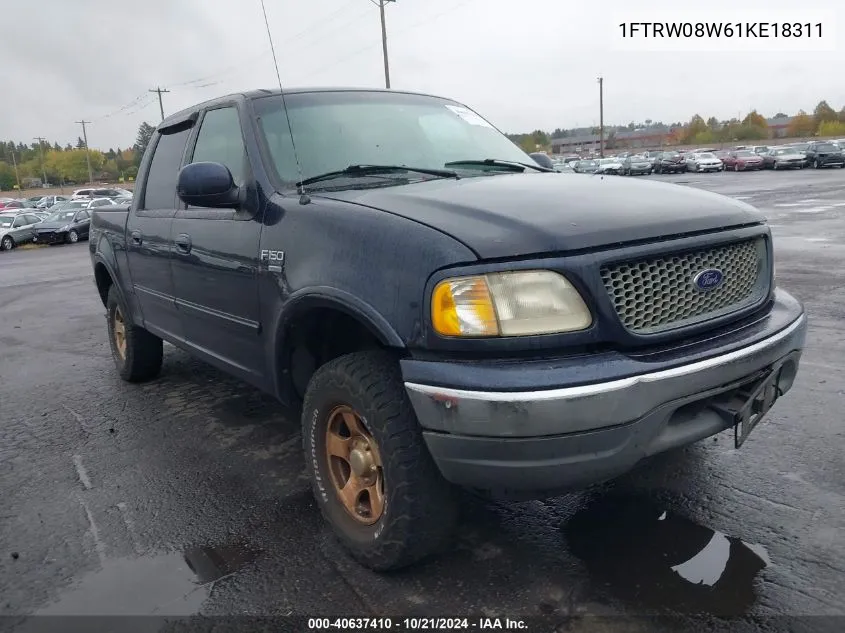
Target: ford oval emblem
x=708 y=279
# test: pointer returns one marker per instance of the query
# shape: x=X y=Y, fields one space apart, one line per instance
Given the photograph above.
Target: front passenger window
x=220 y=141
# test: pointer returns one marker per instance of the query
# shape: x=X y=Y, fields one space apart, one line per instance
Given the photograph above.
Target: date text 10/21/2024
x=416 y=624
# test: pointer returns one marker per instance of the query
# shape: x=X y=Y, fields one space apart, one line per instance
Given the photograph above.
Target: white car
x=609 y=166
x=704 y=161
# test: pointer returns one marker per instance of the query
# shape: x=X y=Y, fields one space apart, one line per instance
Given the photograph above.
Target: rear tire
x=137 y=354
x=416 y=508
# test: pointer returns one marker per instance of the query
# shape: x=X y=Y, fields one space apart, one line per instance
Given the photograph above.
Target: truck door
x=215 y=259
x=148 y=242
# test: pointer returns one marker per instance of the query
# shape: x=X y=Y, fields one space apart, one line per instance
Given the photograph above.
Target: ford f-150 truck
x=445 y=311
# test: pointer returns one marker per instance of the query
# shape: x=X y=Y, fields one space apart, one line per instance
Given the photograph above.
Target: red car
x=742 y=160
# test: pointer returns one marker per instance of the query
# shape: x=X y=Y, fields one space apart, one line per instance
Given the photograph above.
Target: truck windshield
x=333 y=130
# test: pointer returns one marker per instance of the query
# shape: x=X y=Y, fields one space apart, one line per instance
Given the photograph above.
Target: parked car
x=825 y=154
x=760 y=149
x=48 y=201
x=742 y=160
x=704 y=150
x=562 y=167
x=17 y=228
x=586 y=166
x=636 y=165
x=704 y=161
x=609 y=166
x=670 y=163
x=480 y=361
x=69 y=223
x=653 y=155
x=784 y=158
x=16 y=204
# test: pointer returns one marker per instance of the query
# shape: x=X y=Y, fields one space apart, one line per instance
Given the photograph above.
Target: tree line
x=824 y=122
x=28 y=164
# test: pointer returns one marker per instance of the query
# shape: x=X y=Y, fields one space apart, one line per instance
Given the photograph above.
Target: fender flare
x=329 y=297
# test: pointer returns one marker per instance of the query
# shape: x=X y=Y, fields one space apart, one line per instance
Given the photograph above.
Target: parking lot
x=187 y=494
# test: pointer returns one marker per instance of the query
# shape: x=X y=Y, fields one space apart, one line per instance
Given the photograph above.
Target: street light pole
x=87 y=151
x=601 y=117
x=15 y=163
x=41 y=153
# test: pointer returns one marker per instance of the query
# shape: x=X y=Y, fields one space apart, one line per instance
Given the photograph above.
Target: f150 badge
x=273 y=259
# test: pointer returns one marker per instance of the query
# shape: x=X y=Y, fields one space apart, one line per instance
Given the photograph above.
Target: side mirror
x=208 y=185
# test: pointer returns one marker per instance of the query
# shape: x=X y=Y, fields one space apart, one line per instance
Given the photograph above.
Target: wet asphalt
x=186 y=495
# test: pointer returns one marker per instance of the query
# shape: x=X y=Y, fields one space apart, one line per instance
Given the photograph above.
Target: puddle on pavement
x=163 y=584
x=654 y=558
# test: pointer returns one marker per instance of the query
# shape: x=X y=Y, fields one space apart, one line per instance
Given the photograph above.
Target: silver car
x=704 y=161
x=16 y=228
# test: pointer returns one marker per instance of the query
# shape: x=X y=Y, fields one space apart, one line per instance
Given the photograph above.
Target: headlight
x=66 y=227
x=508 y=304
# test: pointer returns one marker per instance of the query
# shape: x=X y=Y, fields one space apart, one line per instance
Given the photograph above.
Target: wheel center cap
x=361 y=462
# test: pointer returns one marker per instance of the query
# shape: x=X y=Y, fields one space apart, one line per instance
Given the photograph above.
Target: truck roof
x=181 y=115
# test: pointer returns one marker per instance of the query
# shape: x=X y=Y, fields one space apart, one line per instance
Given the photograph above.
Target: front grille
x=657 y=294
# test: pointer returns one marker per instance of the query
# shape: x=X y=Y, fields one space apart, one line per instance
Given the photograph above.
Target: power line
x=159 y=90
x=317 y=24
x=87 y=151
x=410 y=27
x=123 y=107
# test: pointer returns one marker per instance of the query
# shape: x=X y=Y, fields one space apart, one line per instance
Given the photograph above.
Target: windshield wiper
x=510 y=165
x=373 y=170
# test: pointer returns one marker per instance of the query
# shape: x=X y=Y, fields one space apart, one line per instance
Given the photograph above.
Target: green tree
x=841 y=115
x=695 y=127
x=832 y=128
x=145 y=133
x=755 y=119
x=822 y=113
x=7 y=176
x=802 y=124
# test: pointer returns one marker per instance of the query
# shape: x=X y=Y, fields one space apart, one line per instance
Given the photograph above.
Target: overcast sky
x=523 y=65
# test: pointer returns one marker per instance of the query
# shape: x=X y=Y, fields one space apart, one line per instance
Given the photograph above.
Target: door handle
x=183 y=242
x=137 y=238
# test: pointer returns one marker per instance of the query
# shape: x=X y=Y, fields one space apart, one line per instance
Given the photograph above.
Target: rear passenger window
x=160 y=188
x=220 y=141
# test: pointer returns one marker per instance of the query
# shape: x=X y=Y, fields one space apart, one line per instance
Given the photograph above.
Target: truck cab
x=444 y=311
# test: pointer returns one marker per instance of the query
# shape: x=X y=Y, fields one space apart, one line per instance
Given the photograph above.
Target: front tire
x=137 y=354
x=360 y=435
x=7 y=244
x=72 y=237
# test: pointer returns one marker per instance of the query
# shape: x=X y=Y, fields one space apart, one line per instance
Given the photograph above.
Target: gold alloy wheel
x=355 y=467
x=119 y=332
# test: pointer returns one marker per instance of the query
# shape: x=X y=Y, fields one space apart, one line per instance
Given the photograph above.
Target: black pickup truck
x=445 y=311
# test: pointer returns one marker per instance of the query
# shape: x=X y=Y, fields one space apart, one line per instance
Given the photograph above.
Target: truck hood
x=512 y=215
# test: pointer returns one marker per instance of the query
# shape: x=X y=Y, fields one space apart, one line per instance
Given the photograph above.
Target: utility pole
x=601 y=117
x=15 y=163
x=41 y=153
x=159 y=90
x=87 y=151
x=381 y=4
